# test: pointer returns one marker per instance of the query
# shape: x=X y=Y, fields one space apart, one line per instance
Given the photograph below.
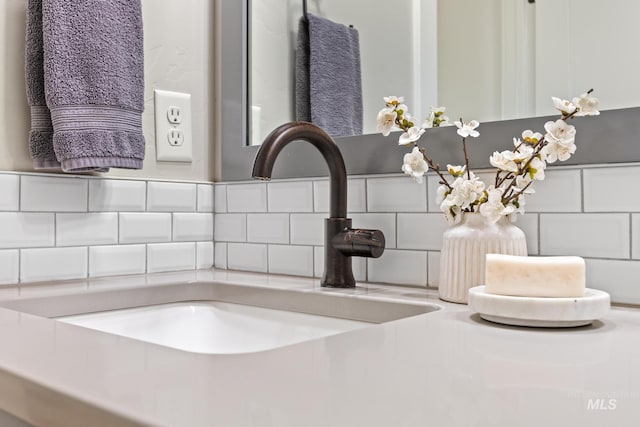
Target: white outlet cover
x=165 y=152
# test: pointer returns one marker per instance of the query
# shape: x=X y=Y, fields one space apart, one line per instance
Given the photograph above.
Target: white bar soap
x=526 y=276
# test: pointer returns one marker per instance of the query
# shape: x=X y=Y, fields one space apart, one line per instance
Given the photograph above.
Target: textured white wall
x=178 y=56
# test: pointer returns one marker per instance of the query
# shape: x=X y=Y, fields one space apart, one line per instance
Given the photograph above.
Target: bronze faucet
x=341 y=242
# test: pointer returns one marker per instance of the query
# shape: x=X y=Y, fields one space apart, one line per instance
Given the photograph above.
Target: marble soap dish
x=540 y=312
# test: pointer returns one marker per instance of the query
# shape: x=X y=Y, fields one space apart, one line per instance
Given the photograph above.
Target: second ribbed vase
x=464 y=246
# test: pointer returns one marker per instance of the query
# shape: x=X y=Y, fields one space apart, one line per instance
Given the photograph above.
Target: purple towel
x=94 y=82
x=41 y=134
x=328 y=77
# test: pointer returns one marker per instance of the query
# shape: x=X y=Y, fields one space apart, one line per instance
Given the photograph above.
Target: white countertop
x=447 y=368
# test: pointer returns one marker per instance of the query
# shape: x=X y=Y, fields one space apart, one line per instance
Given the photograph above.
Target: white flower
x=587 y=105
x=456 y=170
x=564 y=106
x=558 y=151
x=522 y=181
x=494 y=209
x=451 y=211
x=415 y=165
x=504 y=161
x=386 y=121
x=468 y=129
x=412 y=135
x=531 y=137
x=466 y=191
x=536 y=169
x=518 y=204
x=560 y=132
x=392 y=101
x=436 y=118
x=522 y=153
x=443 y=191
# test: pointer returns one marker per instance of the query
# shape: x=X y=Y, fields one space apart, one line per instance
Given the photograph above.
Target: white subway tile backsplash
x=433 y=269
x=307 y=229
x=76 y=212
x=421 y=230
x=358 y=265
x=171 y=197
x=24 y=230
x=400 y=194
x=247 y=257
x=171 y=257
x=529 y=224
x=289 y=196
x=230 y=227
x=143 y=227
x=117 y=195
x=268 y=228
x=204 y=255
x=205 y=198
x=82 y=229
x=117 y=260
x=356 y=196
x=247 y=197
x=191 y=227
x=386 y=222
x=220 y=198
x=616 y=277
x=294 y=260
x=588 y=235
x=220 y=255
x=9 y=192
x=46 y=264
x=48 y=194
x=603 y=191
x=560 y=191
x=399 y=267
x=9 y=267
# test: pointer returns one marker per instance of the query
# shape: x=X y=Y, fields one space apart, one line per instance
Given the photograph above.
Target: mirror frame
x=608 y=138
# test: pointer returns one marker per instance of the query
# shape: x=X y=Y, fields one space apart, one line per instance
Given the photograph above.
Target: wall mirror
x=501 y=76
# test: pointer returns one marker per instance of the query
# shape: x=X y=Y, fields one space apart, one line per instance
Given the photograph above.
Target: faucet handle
x=360 y=242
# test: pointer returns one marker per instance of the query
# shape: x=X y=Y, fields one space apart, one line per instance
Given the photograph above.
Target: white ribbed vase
x=464 y=247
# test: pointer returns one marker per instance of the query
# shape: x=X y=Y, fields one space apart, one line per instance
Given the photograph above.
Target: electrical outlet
x=173 y=126
x=174 y=115
x=175 y=137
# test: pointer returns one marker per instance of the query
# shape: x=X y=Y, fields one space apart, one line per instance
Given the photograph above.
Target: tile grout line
x=20 y=193
x=88 y=190
x=581 y=190
x=630 y=235
x=539 y=221
x=19 y=266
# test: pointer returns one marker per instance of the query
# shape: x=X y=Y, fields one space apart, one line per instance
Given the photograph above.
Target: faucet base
x=337 y=266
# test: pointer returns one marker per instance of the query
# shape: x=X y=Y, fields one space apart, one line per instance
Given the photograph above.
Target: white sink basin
x=214 y=327
x=217 y=317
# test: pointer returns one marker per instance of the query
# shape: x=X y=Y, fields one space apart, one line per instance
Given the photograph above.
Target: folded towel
x=94 y=80
x=41 y=134
x=328 y=78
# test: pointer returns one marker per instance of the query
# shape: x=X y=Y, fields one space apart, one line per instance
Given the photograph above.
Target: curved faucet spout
x=288 y=132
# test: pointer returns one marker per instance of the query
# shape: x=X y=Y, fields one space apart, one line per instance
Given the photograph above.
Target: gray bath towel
x=41 y=134
x=328 y=77
x=94 y=80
